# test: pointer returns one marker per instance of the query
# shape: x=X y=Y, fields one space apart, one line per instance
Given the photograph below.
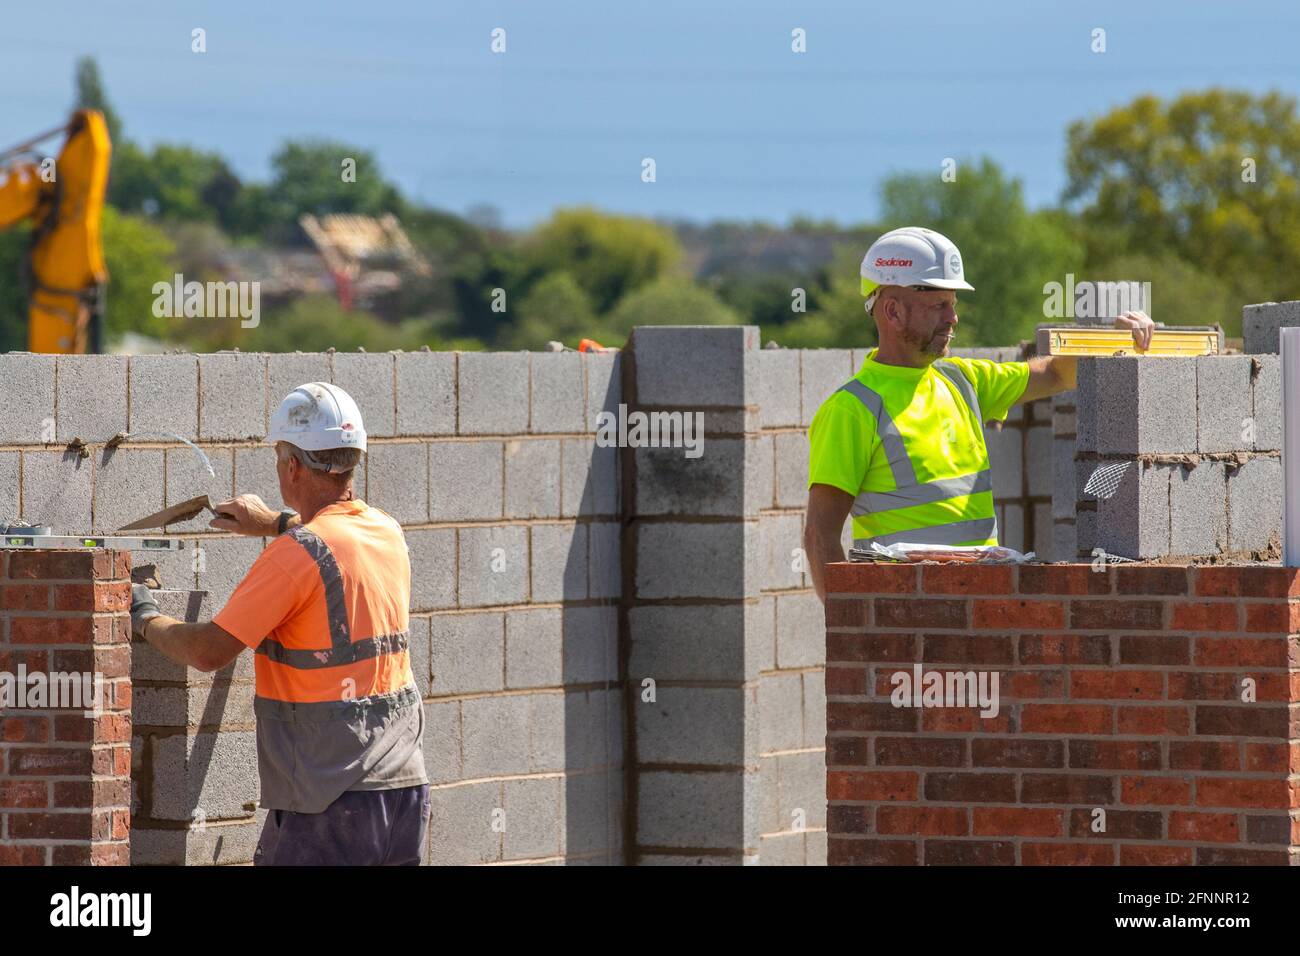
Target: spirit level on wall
x=1165 y=341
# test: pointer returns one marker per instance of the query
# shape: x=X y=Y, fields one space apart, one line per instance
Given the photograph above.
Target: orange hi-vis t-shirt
x=326 y=609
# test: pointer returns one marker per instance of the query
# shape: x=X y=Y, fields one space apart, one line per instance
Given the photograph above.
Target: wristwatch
x=283 y=523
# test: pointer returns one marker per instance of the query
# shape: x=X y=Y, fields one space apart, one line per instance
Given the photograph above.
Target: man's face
x=927 y=320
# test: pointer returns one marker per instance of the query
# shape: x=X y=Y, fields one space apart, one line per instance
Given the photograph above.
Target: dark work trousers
x=360 y=828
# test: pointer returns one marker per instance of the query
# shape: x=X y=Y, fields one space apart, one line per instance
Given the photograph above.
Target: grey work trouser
x=360 y=828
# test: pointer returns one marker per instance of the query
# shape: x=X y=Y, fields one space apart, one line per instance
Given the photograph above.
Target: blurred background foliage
x=1199 y=195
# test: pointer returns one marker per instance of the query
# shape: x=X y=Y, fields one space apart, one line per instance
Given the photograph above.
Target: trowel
x=177 y=512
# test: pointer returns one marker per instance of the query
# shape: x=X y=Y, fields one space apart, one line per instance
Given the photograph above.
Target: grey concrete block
x=222 y=563
x=802 y=790
x=426 y=393
x=164 y=396
x=546 y=732
x=590 y=478
x=684 y=643
x=1223 y=402
x=559 y=562
x=782 y=849
x=1011 y=527
x=214 y=773
x=187 y=477
x=128 y=486
x=791 y=449
x=433 y=568
x=369 y=379
x=593 y=812
x=533 y=819
x=175 y=570
x=209 y=705
x=1134 y=522
x=442 y=739
x=1197 y=509
x=232 y=396
x=27 y=396
x=593 y=721
x=604 y=560
x=695 y=366
x=57 y=490
x=1260 y=324
x=1267 y=403
x=823 y=371
x=468 y=653
x=1145 y=406
x=534 y=648
x=713 y=560
x=590 y=645
x=1042 y=541
x=1006 y=459
x=1085 y=530
x=780 y=709
x=781 y=543
x=669 y=483
x=1064 y=492
x=91 y=397
x=1255 y=504
x=800 y=631
x=778 y=387
x=532 y=478
x=1065 y=544
x=559 y=393
x=465 y=480
x=698 y=725
x=493 y=565
x=769 y=807
x=220 y=844
x=397 y=480
x=1086 y=405
x=255 y=475
x=760 y=477
x=705 y=810
x=286 y=371
x=760 y=636
x=604 y=377
x=1038 y=460
x=814 y=708
x=493 y=393
x=421 y=654
x=10 y=482
x=495 y=739
x=461 y=826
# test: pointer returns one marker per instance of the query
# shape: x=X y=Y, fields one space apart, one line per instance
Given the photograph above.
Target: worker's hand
x=246 y=514
x=143 y=608
x=1141 y=325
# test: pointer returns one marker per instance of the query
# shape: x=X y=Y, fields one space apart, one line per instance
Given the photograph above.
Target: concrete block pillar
x=691 y=585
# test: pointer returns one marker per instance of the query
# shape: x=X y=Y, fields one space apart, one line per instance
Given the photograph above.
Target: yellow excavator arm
x=64 y=201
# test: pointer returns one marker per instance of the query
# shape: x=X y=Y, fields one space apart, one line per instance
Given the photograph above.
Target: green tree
x=1009 y=253
x=175 y=183
x=834 y=316
x=556 y=308
x=667 y=301
x=1212 y=177
x=91 y=96
x=608 y=256
x=318 y=177
x=1180 y=293
x=138 y=254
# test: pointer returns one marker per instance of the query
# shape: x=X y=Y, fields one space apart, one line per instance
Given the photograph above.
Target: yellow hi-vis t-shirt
x=909 y=446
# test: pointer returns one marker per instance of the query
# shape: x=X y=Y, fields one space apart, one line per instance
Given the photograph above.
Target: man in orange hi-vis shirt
x=340 y=724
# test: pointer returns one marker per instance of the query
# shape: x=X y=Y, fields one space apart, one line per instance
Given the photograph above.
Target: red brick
x=1114 y=755
x=1270 y=758
x=1139 y=855
x=1066 y=719
x=848 y=751
x=1064 y=649
x=870 y=852
x=870 y=647
x=1032 y=685
x=110 y=596
x=49 y=762
x=854 y=716
x=73 y=794
x=848 y=819
x=1067 y=788
x=871 y=786
x=1140 y=579
x=1274 y=618
x=55 y=565
x=1205 y=616
x=1016 y=821
x=968 y=649
x=25 y=597
x=1065 y=579
x=953 y=720
x=24 y=794
x=920 y=751
x=1067 y=854
x=1117 y=615
x=1272 y=828
x=970 y=787
x=1119 y=824
x=1247 y=581
x=28 y=855
x=969 y=853
x=72 y=825
x=862 y=578
x=1244 y=720
x=1154 y=721
x=1204 y=755
x=846 y=612
x=846 y=681
x=1011 y=752
x=967 y=579
x=1117 y=685
x=24 y=729
x=920 y=612
x=1020 y=614
x=73 y=728
x=1155 y=649
x=922 y=821
x=1230 y=792
x=51 y=630
x=1246 y=651
x=112 y=728
x=1230 y=856
x=1203 y=827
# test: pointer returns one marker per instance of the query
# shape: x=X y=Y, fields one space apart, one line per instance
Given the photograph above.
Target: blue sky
x=739 y=126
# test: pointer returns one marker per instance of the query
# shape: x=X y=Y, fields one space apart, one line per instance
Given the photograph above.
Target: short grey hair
x=332 y=461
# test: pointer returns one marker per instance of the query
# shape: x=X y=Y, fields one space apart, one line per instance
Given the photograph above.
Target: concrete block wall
x=1201 y=441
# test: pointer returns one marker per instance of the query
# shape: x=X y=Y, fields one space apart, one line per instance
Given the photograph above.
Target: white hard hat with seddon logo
x=911 y=256
x=318 y=416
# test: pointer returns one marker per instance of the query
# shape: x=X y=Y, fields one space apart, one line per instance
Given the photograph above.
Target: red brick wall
x=1120 y=690
x=65 y=777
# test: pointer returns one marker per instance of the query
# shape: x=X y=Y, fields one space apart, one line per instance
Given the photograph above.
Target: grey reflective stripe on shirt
x=336 y=608
x=977 y=529
x=305 y=659
x=960 y=382
x=354 y=711
x=938 y=490
x=890 y=437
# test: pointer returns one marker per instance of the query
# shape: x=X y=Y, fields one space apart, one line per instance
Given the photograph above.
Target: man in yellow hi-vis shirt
x=901 y=445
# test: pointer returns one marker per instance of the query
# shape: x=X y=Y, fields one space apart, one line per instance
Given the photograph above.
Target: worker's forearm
x=178 y=641
x=1066 y=370
x=821 y=549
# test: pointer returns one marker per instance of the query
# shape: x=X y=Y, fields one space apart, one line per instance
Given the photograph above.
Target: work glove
x=143 y=608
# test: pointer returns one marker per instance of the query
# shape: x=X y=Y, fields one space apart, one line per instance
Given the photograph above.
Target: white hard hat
x=317 y=416
x=911 y=256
